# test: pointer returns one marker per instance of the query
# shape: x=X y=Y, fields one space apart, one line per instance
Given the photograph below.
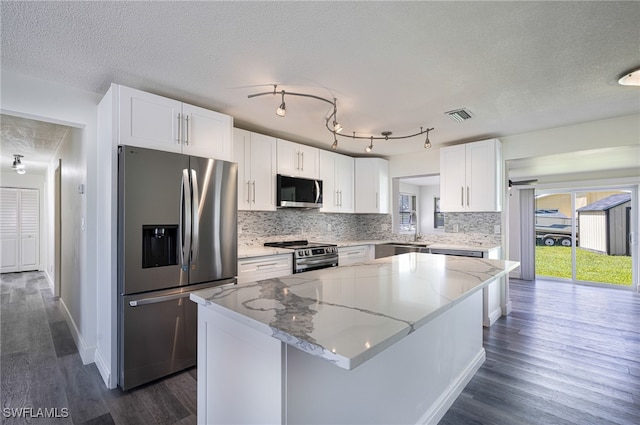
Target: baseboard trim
x=104 y=370
x=87 y=354
x=446 y=400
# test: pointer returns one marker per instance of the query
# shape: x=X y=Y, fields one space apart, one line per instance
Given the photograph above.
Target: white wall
x=29 y=97
x=33 y=181
x=621 y=131
x=427 y=194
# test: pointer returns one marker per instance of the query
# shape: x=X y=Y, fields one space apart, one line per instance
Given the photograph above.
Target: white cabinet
x=298 y=160
x=372 y=185
x=151 y=121
x=337 y=175
x=256 y=157
x=354 y=254
x=471 y=177
x=251 y=269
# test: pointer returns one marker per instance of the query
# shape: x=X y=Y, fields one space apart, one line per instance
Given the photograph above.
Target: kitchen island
x=393 y=340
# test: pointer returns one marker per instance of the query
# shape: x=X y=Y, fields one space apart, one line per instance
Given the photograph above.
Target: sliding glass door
x=584 y=236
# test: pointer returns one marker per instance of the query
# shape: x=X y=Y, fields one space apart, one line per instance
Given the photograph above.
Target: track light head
x=427 y=142
x=334 y=145
x=369 y=148
x=337 y=127
x=282 y=109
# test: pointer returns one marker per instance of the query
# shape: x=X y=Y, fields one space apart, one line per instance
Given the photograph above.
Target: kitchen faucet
x=413 y=219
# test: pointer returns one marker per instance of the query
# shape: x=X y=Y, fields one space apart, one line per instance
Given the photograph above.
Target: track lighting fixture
x=369 y=148
x=427 y=142
x=335 y=127
x=17 y=165
x=282 y=109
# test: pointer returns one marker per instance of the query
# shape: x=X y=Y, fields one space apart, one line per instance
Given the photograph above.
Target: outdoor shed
x=604 y=225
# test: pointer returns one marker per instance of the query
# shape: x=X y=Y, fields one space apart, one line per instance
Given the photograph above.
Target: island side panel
x=414 y=381
x=239 y=372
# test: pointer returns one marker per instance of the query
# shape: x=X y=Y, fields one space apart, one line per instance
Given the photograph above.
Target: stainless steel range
x=309 y=256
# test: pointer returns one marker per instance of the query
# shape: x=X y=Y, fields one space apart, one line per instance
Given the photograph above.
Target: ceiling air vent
x=459 y=115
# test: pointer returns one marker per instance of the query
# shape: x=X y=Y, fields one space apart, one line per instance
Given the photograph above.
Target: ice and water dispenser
x=159 y=246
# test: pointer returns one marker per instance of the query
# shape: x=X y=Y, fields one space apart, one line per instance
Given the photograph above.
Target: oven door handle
x=311 y=262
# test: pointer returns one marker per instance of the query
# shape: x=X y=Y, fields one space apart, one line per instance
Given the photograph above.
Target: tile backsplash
x=257 y=227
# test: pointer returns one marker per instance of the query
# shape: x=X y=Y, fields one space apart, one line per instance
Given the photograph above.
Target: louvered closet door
x=9 y=240
x=29 y=229
x=19 y=229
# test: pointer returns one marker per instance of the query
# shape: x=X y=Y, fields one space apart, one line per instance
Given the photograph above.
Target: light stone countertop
x=261 y=251
x=348 y=314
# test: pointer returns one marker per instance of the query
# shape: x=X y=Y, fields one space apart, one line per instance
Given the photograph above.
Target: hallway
x=41 y=368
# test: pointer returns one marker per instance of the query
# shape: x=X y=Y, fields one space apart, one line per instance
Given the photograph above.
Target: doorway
x=583 y=236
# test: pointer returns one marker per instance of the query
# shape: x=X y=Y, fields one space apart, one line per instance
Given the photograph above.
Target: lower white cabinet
x=251 y=269
x=354 y=254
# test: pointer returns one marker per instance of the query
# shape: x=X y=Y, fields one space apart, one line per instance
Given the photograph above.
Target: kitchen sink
x=388 y=249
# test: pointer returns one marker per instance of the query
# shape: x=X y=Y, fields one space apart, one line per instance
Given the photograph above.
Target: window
x=438 y=217
x=407 y=214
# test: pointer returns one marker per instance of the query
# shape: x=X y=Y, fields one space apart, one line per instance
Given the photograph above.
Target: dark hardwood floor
x=566 y=355
x=40 y=368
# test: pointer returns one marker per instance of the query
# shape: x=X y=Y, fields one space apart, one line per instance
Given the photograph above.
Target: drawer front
x=353 y=254
x=256 y=268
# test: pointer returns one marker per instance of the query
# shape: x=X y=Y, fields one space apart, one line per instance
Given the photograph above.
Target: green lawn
x=555 y=261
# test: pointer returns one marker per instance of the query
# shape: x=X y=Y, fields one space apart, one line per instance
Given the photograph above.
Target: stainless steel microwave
x=298 y=192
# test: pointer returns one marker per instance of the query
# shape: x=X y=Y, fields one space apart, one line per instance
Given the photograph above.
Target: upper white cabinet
x=471 y=177
x=298 y=160
x=337 y=175
x=256 y=157
x=372 y=185
x=151 y=121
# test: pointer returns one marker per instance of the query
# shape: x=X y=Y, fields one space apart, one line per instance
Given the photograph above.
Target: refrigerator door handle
x=155 y=300
x=185 y=220
x=195 y=217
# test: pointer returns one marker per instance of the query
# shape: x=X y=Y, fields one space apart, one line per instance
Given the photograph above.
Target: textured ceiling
x=517 y=66
x=37 y=141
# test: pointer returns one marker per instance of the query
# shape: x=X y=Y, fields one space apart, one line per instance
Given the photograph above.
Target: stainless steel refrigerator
x=177 y=232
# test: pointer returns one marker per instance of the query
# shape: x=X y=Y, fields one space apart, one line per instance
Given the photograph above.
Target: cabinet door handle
x=467 y=195
x=297 y=160
x=340 y=199
x=302 y=154
x=186 y=140
x=248 y=191
x=254 y=191
x=462 y=196
x=179 y=128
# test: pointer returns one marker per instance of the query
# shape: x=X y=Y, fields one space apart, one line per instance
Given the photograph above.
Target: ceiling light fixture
x=427 y=142
x=282 y=109
x=630 y=78
x=335 y=128
x=17 y=165
x=334 y=145
x=369 y=148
